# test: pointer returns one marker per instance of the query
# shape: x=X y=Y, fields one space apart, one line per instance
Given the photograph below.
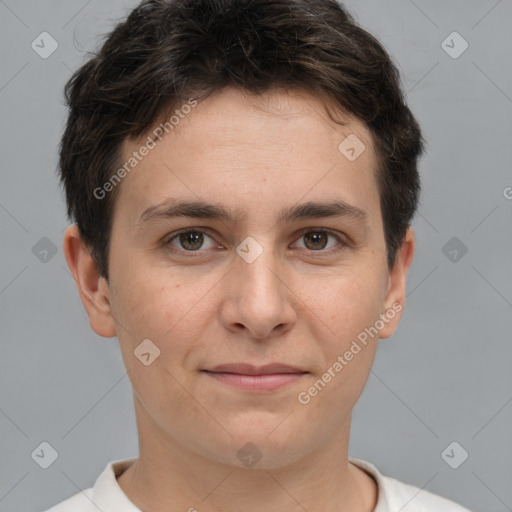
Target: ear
x=395 y=295
x=93 y=288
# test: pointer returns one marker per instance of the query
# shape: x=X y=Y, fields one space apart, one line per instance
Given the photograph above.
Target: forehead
x=235 y=146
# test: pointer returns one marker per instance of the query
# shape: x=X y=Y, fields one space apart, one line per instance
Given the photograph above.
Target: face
x=250 y=250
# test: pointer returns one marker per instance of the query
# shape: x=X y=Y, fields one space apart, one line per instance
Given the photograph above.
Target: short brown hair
x=168 y=51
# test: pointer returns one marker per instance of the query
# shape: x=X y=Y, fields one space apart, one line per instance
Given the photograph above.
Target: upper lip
x=249 y=369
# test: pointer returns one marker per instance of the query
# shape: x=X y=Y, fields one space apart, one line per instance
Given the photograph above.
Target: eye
x=320 y=240
x=190 y=240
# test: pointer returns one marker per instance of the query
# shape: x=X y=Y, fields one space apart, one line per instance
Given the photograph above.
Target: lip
x=269 y=377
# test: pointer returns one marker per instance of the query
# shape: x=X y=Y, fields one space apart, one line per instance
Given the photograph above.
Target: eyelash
x=342 y=243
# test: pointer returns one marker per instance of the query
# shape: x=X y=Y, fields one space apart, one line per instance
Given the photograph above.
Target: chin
x=264 y=446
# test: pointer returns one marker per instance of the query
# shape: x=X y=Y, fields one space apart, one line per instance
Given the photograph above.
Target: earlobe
x=93 y=289
x=395 y=297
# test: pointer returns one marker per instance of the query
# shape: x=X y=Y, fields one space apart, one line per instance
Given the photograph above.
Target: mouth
x=269 y=377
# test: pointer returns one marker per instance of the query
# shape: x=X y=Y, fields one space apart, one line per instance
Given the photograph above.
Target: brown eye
x=321 y=241
x=192 y=240
x=316 y=240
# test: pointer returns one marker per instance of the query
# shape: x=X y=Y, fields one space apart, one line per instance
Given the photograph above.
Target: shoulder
x=413 y=499
x=397 y=495
x=103 y=496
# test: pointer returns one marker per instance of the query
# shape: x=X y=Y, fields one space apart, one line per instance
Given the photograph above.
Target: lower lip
x=269 y=382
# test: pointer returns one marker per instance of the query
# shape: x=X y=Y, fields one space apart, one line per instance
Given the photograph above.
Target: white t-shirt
x=394 y=496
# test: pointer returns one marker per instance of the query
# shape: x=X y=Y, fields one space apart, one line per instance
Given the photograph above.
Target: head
x=276 y=133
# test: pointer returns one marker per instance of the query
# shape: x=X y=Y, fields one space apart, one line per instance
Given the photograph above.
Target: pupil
x=316 y=238
x=192 y=240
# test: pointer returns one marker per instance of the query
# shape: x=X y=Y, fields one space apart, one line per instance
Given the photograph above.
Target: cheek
x=340 y=311
x=143 y=305
x=162 y=311
x=171 y=311
x=344 y=305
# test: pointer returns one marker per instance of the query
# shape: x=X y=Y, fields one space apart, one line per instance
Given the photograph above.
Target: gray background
x=445 y=376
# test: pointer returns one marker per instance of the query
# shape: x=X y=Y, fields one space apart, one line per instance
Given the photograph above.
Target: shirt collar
x=108 y=495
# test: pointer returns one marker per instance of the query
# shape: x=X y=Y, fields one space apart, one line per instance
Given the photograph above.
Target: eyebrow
x=169 y=209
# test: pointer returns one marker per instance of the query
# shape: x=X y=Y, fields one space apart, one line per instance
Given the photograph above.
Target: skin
x=298 y=303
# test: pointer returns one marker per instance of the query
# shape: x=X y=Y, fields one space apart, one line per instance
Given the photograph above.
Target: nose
x=258 y=302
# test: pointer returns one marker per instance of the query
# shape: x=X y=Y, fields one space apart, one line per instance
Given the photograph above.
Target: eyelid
x=342 y=240
x=166 y=241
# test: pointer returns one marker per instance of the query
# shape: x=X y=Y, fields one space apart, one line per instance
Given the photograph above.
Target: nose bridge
x=258 y=298
x=257 y=267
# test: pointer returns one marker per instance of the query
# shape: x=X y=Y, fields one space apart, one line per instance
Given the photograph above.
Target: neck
x=169 y=473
